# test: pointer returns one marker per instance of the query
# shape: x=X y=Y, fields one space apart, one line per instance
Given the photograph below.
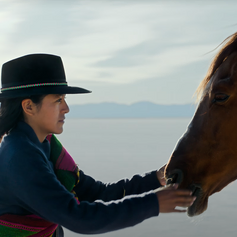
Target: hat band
x=34 y=85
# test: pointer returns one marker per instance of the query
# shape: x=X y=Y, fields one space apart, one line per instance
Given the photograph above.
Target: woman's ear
x=28 y=107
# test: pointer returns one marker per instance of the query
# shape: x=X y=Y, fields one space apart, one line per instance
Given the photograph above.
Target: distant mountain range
x=137 y=110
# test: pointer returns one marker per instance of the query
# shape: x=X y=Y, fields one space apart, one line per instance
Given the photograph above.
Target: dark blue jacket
x=28 y=185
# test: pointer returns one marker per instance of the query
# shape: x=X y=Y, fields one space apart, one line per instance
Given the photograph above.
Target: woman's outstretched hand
x=170 y=197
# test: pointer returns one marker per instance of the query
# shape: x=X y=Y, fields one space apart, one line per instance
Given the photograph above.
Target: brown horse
x=205 y=158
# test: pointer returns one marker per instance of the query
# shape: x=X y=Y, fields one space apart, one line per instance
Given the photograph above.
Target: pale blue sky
x=124 y=51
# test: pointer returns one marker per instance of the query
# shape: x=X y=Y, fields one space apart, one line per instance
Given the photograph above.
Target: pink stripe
x=47 y=232
x=49 y=137
x=34 y=216
x=20 y=226
x=65 y=162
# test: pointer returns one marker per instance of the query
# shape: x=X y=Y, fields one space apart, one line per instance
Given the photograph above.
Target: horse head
x=205 y=158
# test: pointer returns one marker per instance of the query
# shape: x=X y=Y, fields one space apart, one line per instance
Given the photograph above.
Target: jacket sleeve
x=32 y=185
x=90 y=190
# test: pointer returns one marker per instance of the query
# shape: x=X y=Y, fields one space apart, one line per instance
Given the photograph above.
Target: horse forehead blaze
x=206 y=155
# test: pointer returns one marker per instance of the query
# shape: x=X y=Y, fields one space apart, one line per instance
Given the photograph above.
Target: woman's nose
x=66 y=108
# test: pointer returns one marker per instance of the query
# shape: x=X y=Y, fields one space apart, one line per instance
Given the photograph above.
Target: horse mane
x=229 y=45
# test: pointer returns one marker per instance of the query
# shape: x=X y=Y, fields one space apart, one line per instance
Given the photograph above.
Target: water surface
x=113 y=149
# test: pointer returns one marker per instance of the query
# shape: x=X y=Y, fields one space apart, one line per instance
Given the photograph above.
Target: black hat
x=35 y=74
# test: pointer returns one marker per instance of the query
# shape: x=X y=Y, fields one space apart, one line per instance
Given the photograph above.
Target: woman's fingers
x=170 y=197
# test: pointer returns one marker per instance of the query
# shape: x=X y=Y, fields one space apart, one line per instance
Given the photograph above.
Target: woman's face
x=49 y=117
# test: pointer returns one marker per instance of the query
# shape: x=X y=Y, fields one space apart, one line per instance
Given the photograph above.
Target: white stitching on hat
x=35 y=85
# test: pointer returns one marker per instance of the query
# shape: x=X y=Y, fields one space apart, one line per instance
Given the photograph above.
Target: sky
x=124 y=51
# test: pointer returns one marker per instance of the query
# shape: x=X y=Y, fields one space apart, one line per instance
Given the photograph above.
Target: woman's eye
x=220 y=97
x=59 y=100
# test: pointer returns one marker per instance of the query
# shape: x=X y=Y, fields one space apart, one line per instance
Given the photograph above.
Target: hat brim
x=27 y=92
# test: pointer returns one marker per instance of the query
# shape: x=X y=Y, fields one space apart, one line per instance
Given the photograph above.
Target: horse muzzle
x=176 y=176
x=196 y=192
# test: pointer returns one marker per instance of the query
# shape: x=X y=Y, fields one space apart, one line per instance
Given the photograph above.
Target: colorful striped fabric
x=67 y=173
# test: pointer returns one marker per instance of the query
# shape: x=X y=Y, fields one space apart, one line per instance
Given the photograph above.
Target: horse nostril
x=176 y=176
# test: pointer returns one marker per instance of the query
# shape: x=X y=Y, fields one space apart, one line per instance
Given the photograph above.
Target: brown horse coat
x=205 y=158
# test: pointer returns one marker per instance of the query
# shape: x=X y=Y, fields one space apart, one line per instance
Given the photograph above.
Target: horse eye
x=220 y=97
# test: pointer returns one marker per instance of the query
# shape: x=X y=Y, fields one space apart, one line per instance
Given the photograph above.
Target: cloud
x=118 y=44
x=179 y=87
x=132 y=56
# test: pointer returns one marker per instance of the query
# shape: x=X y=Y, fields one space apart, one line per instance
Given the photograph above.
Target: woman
x=41 y=188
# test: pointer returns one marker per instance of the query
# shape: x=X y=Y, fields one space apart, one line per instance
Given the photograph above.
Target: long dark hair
x=11 y=112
